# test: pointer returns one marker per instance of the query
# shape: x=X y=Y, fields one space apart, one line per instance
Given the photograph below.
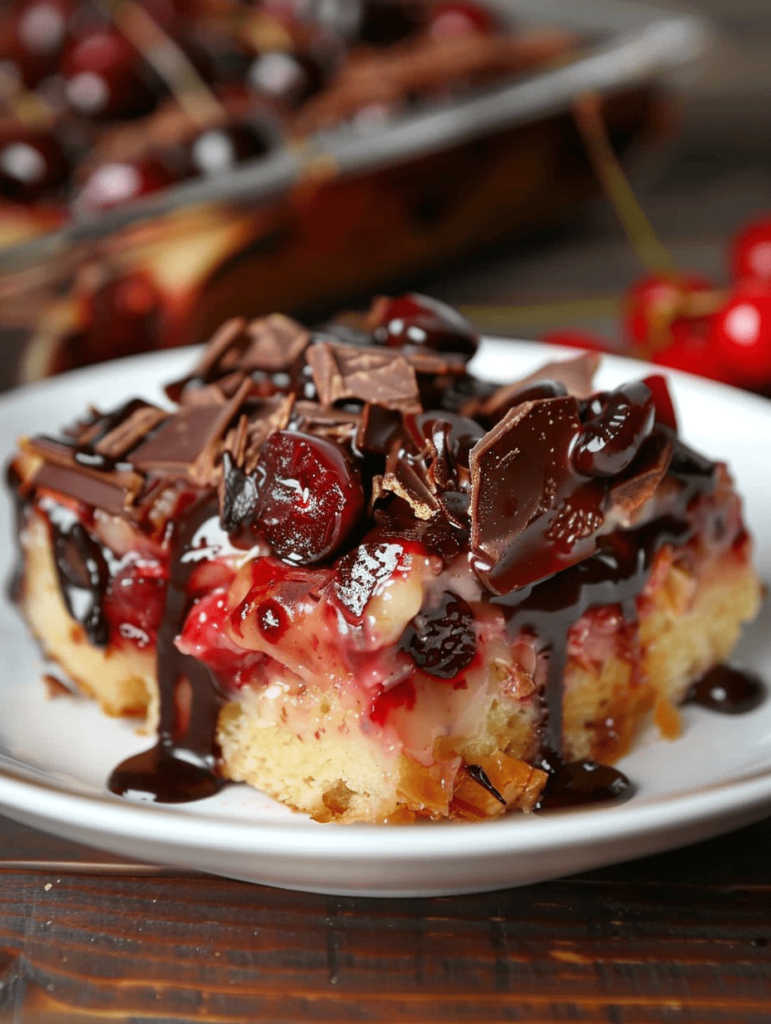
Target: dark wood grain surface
x=684 y=936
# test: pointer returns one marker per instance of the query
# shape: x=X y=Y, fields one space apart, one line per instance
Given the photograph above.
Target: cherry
x=310 y=496
x=609 y=441
x=571 y=338
x=218 y=150
x=285 y=78
x=115 y=183
x=134 y=602
x=32 y=165
x=106 y=77
x=125 y=311
x=690 y=350
x=658 y=302
x=460 y=18
x=40 y=30
x=740 y=334
x=421 y=322
x=751 y=251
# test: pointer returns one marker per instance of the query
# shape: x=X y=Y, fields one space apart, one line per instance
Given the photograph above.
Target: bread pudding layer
x=343 y=570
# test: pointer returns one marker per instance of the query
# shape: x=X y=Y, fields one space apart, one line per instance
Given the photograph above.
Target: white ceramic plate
x=56 y=755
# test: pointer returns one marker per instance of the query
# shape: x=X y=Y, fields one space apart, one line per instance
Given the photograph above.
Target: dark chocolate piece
x=275 y=343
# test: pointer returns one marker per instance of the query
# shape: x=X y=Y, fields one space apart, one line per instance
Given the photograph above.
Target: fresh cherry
x=218 y=150
x=115 y=183
x=658 y=302
x=740 y=334
x=751 y=251
x=690 y=350
x=421 y=322
x=460 y=18
x=105 y=77
x=32 y=165
x=609 y=441
x=310 y=496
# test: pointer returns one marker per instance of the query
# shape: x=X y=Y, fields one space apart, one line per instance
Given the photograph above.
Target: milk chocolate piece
x=378 y=375
x=275 y=343
x=576 y=374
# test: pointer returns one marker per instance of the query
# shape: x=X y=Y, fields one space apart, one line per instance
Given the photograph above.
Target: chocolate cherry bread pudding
x=340 y=568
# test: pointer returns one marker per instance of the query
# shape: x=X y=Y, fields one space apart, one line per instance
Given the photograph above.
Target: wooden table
x=684 y=936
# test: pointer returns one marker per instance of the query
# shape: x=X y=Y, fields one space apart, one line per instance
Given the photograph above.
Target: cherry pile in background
x=687 y=322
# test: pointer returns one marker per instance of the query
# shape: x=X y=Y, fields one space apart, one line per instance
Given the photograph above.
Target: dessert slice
x=345 y=571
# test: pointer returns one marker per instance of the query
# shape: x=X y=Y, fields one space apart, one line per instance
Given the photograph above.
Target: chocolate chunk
x=127 y=433
x=575 y=374
x=180 y=440
x=275 y=343
x=262 y=418
x=531 y=514
x=338 y=425
x=378 y=428
x=113 y=491
x=629 y=493
x=375 y=375
x=238 y=497
x=230 y=335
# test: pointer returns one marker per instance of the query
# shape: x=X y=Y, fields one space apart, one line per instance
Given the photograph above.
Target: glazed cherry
x=105 y=77
x=116 y=183
x=32 y=166
x=460 y=18
x=751 y=251
x=658 y=302
x=222 y=149
x=134 y=601
x=421 y=322
x=740 y=334
x=442 y=642
x=609 y=441
x=310 y=497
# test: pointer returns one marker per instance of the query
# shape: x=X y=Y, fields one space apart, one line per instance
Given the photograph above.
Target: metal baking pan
x=630 y=44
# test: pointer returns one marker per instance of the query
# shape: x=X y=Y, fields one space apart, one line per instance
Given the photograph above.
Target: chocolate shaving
x=338 y=425
x=378 y=375
x=223 y=340
x=126 y=435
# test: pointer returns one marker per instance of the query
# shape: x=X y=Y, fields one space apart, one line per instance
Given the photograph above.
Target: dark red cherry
x=218 y=150
x=40 y=29
x=32 y=166
x=285 y=78
x=609 y=441
x=310 y=496
x=740 y=334
x=751 y=251
x=460 y=18
x=657 y=303
x=116 y=183
x=422 y=322
x=105 y=77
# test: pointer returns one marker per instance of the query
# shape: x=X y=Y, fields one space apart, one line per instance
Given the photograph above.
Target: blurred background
x=513 y=227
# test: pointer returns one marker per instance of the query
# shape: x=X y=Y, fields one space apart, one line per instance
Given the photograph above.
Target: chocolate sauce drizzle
x=729 y=690
x=181 y=765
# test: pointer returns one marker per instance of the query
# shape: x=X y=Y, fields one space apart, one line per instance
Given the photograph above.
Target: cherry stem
x=168 y=60
x=642 y=236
